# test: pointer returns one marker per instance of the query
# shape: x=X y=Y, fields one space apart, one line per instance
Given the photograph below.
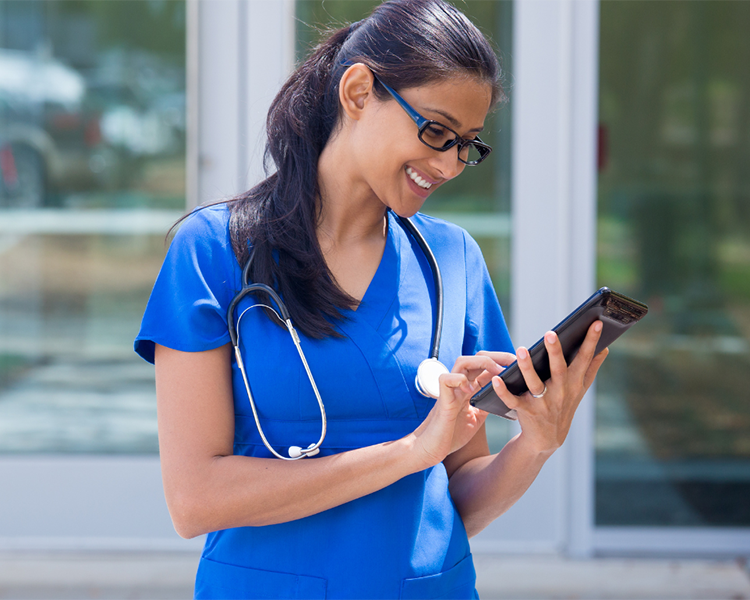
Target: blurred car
x=137 y=123
x=50 y=137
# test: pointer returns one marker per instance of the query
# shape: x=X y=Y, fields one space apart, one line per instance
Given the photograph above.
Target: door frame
x=555 y=98
x=117 y=502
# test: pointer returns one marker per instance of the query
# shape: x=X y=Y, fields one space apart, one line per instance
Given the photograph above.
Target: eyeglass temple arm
x=415 y=116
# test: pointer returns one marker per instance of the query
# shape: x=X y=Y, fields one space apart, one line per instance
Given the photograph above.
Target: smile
x=417 y=179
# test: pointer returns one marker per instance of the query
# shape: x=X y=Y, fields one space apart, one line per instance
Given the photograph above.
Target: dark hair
x=407 y=43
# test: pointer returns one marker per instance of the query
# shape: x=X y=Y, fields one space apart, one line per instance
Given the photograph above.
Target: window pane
x=478 y=200
x=673 y=418
x=92 y=172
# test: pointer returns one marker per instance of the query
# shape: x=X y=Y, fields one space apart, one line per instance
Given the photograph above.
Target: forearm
x=487 y=486
x=208 y=488
x=236 y=491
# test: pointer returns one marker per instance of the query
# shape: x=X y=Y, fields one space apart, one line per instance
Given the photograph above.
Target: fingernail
x=598 y=326
x=551 y=337
x=522 y=352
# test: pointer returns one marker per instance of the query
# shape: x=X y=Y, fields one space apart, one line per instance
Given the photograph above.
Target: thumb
x=452 y=385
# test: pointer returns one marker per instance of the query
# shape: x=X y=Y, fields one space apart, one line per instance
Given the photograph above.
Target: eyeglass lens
x=438 y=136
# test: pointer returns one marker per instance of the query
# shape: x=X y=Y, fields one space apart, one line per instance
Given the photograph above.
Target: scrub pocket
x=458 y=583
x=219 y=581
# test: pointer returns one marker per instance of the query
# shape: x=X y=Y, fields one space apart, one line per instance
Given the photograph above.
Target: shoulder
x=204 y=223
x=203 y=244
x=205 y=232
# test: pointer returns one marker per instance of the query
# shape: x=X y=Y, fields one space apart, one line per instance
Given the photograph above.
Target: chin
x=406 y=211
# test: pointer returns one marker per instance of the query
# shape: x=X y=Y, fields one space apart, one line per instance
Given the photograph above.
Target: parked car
x=51 y=140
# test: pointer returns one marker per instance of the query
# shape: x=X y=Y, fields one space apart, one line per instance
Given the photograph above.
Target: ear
x=355 y=89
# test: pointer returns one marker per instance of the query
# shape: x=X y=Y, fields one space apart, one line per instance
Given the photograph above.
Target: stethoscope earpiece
x=296 y=451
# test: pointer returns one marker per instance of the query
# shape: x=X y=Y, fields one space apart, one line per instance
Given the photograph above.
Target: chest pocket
x=457 y=583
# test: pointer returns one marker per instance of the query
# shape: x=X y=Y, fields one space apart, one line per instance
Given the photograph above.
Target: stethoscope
x=428 y=373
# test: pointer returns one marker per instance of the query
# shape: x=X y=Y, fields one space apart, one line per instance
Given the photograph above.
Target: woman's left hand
x=545 y=421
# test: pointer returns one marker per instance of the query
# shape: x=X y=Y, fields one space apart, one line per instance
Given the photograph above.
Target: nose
x=447 y=163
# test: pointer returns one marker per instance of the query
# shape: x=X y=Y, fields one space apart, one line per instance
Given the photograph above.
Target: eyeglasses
x=441 y=138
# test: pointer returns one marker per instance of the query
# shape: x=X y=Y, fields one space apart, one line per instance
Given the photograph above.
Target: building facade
x=620 y=160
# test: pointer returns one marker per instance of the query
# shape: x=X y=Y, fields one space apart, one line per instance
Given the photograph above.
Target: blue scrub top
x=404 y=541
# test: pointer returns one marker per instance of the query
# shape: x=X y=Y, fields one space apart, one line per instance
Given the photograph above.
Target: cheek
x=379 y=159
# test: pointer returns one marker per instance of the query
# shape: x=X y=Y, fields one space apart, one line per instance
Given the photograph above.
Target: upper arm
x=195 y=415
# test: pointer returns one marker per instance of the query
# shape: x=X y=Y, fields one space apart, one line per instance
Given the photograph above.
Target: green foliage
x=158 y=27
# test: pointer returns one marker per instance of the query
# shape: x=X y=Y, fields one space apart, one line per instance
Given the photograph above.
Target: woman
x=380 y=115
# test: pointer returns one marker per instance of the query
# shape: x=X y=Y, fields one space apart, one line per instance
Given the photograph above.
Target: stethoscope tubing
x=312 y=448
x=284 y=317
x=437 y=328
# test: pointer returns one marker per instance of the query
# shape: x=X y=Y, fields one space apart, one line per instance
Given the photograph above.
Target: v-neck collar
x=385 y=284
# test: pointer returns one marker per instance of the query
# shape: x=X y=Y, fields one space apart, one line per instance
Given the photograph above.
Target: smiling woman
x=307 y=111
x=398 y=481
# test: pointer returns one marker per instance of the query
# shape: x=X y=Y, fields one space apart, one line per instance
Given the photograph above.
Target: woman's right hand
x=209 y=488
x=453 y=422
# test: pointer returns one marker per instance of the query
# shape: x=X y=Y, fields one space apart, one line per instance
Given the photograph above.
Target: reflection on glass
x=478 y=200
x=673 y=417
x=92 y=171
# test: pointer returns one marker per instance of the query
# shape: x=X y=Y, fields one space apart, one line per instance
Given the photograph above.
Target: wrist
x=532 y=448
x=415 y=457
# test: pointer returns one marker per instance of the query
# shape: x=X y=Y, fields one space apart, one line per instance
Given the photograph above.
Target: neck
x=350 y=212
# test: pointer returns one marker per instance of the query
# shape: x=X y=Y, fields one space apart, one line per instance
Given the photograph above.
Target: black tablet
x=615 y=310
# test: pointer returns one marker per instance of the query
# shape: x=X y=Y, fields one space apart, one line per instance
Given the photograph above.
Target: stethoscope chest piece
x=428 y=377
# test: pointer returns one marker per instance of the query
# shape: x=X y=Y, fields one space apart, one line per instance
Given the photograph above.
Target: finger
x=510 y=400
x=533 y=381
x=484 y=378
x=586 y=354
x=593 y=369
x=504 y=359
x=472 y=366
x=558 y=367
x=452 y=382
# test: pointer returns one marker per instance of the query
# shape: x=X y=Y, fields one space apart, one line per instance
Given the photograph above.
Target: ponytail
x=279 y=216
x=407 y=43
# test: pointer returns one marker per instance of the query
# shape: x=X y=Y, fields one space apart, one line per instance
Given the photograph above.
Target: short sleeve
x=485 y=327
x=199 y=277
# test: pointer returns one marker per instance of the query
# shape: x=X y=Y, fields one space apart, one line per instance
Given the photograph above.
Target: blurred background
x=118 y=116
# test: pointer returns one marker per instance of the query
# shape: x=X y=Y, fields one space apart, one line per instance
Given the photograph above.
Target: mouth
x=417 y=179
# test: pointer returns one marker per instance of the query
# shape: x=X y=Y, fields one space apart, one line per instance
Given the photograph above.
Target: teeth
x=417 y=179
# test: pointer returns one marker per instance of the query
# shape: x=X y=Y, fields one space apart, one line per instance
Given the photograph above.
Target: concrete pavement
x=167 y=576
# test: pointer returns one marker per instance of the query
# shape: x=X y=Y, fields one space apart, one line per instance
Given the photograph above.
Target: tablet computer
x=615 y=310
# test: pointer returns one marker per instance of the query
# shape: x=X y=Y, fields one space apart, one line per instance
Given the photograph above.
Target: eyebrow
x=452 y=120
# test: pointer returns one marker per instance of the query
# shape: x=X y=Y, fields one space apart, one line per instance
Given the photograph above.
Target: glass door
x=92 y=175
x=673 y=417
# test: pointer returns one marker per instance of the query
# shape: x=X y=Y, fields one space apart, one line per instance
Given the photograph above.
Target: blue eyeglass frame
x=423 y=123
